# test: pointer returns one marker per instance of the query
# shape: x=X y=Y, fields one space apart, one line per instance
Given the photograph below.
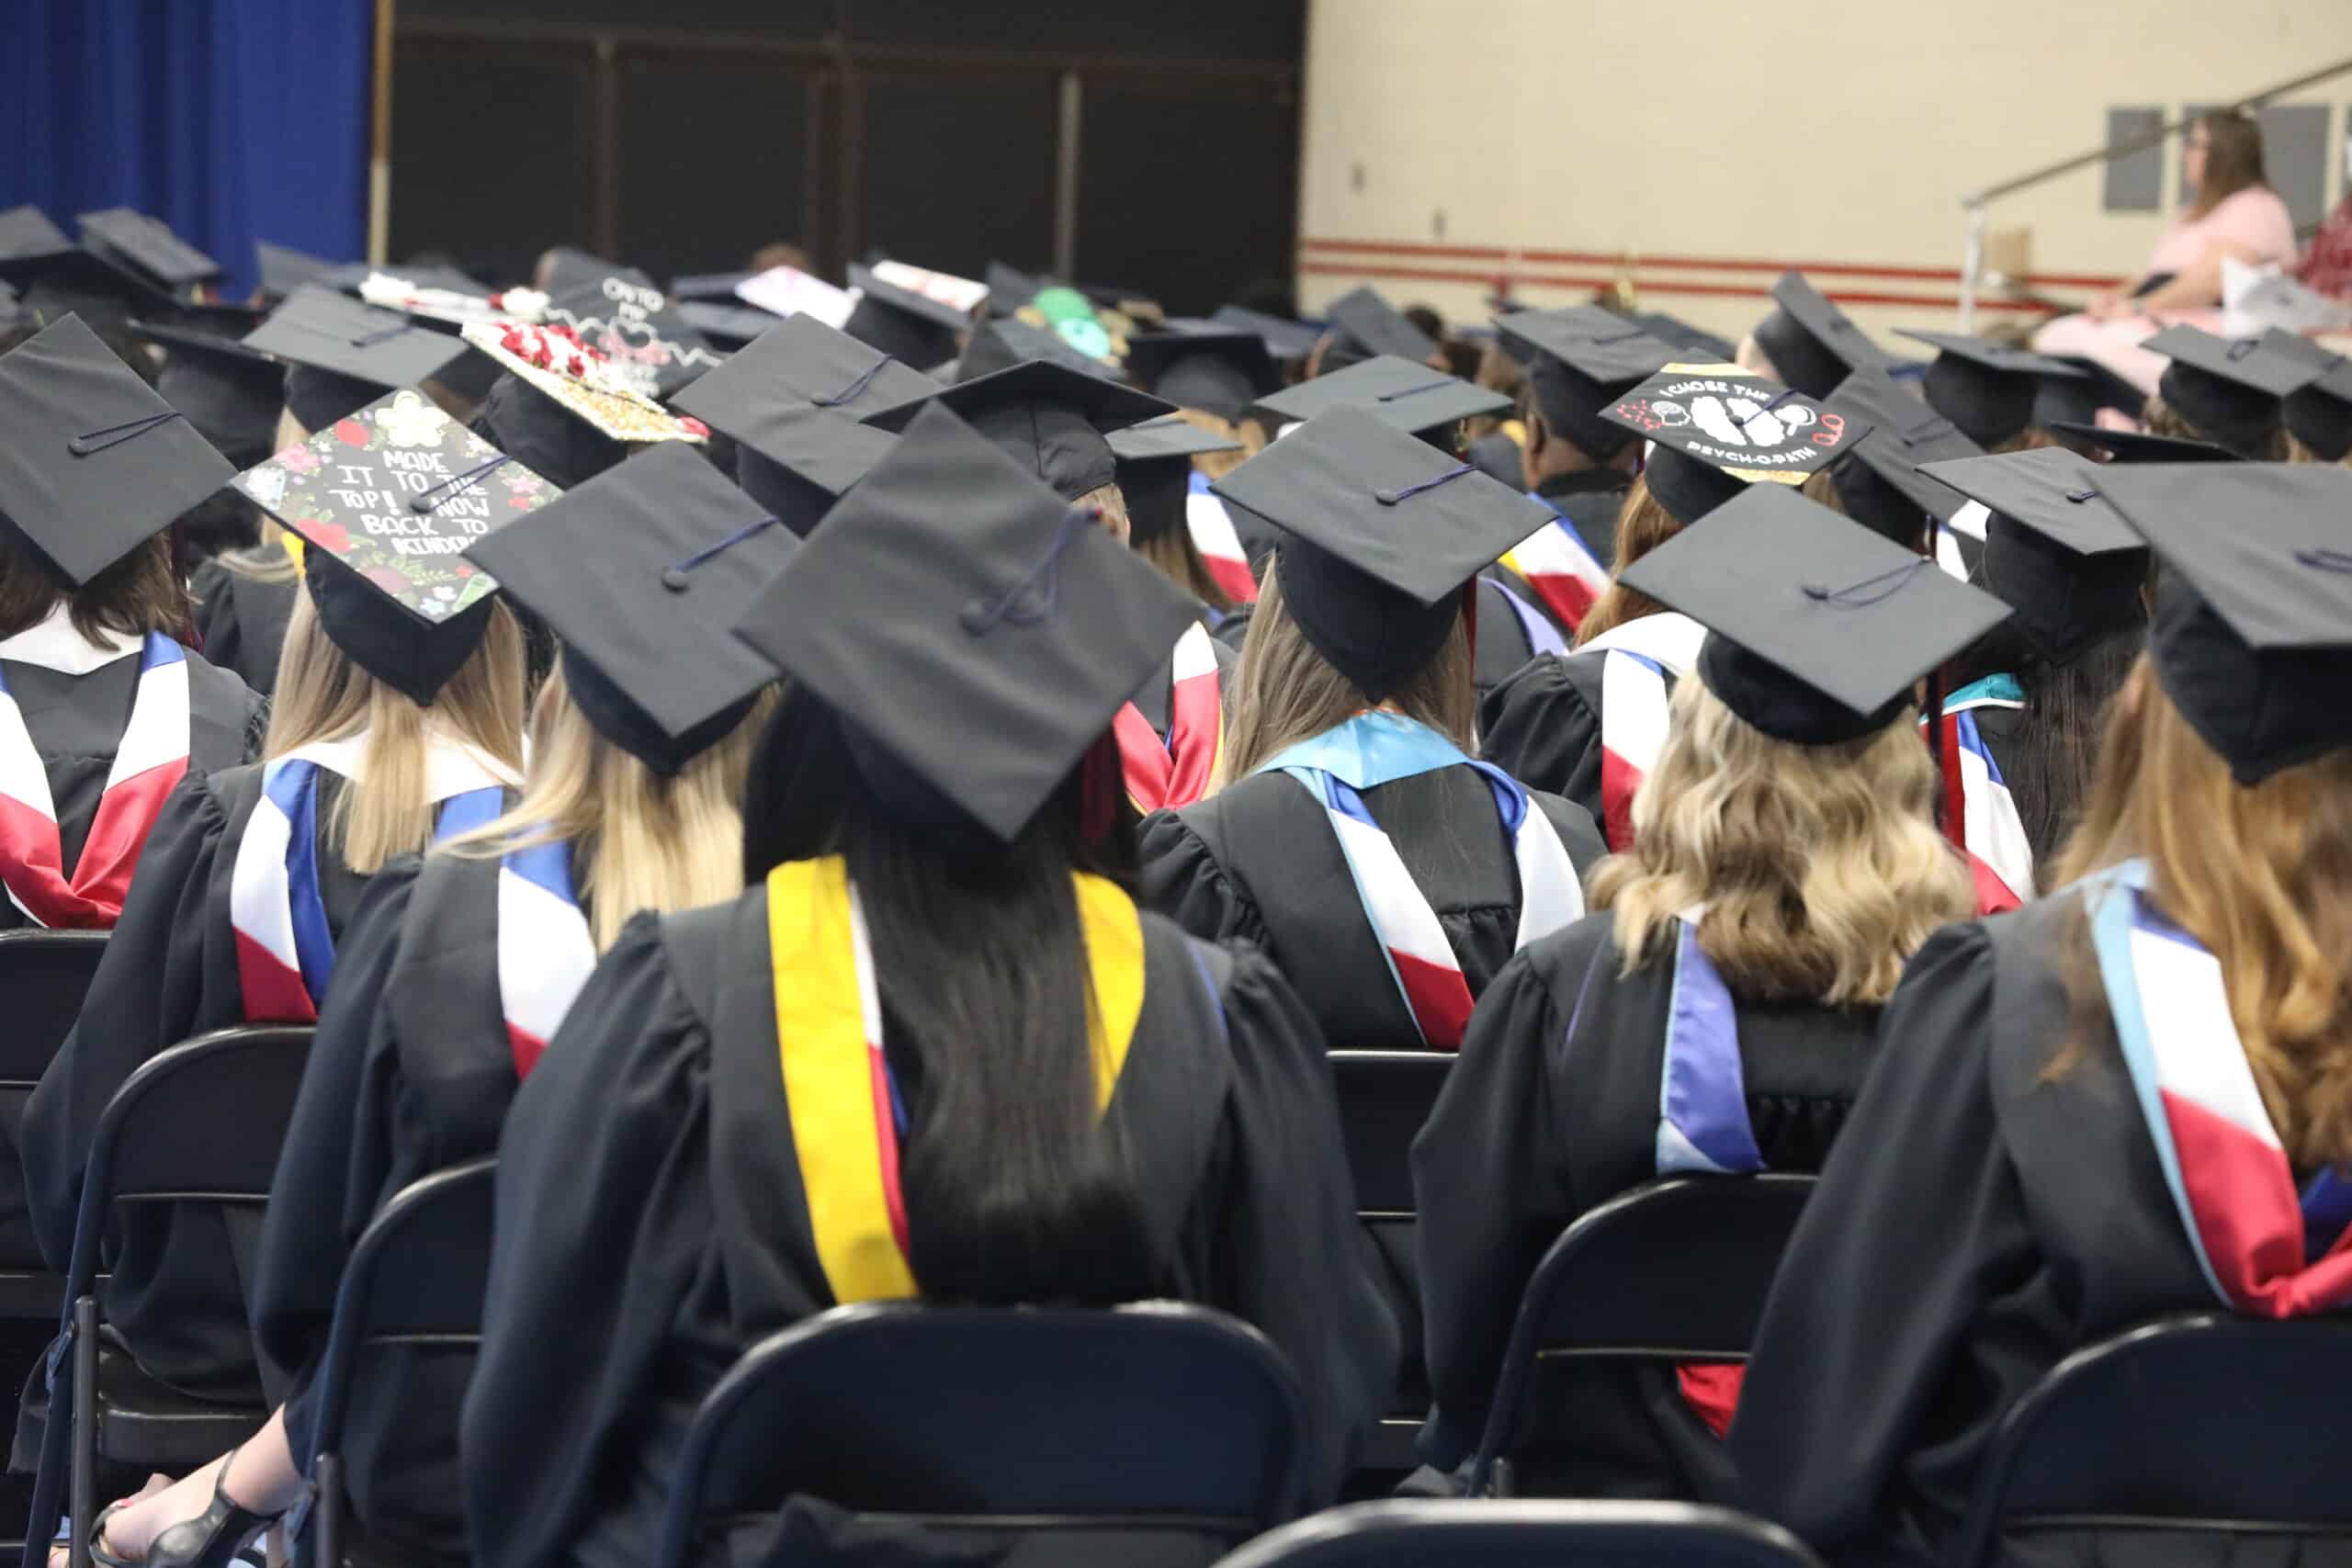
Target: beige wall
x=1729 y=128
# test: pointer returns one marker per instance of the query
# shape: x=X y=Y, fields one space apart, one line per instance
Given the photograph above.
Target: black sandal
x=209 y=1540
x=98 y=1552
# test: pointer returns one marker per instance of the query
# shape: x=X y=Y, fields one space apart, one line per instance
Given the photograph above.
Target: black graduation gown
x=1979 y=1220
x=1553 y=1109
x=1543 y=725
x=1590 y=500
x=242 y=620
x=1234 y=629
x=412 y=1073
x=1503 y=643
x=176 y=1298
x=651 y=1224
x=1257 y=862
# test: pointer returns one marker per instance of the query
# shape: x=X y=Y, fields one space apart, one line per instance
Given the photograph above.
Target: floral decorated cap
x=553 y=359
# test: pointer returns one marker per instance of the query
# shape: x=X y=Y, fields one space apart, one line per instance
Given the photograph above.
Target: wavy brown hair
x=2161 y=419
x=2233 y=158
x=1820 y=866
x=1643 y=524
x=138 y=594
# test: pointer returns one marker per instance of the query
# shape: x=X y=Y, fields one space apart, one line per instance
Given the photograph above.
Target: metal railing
x=1978 y=203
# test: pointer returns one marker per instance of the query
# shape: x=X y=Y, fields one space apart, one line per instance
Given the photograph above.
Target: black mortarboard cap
x=912 y=328
x=1156 y=470
x=1812 y=343
x=726 y=325
x=643 y=574
x=385 y=501
x=1818 y=628
x=801 y=363
x=1283 y=338
x=2253 y=632
x=798 y=461
x=2230 y=391
x=1378 y=533
x=1715 y=429
x=975 y=632
x=1691 y=340
x=620 y=310
x=1988 y=389
x=1050 y=420
x=1405 y=394
x=27 y=231
x=714 y=286
x=1579 y=360
x=1009 y=288
x=1372 y=326
x=147 y=246
x=542 y=435
x=1224 y=372
x=2135 y=446
x=1000 y=345
x=231 y=393
x=342 y=354
x=284 y=269
x=73 y=280
x=94 y=462
x=1880 y=482
x=2318 y=413
x=2054 y=550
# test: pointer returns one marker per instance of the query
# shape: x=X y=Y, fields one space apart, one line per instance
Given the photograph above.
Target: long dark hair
x=2233 y=158
x=1015 y=1188
x=2065 y=715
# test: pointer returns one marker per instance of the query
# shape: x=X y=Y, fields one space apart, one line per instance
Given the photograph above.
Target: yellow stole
x=836 y=1085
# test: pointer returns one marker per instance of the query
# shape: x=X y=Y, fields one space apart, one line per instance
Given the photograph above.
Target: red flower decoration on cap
x=351 y=432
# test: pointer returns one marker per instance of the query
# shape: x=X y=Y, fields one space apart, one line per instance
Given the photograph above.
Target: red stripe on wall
x=1638 y=261
x=1509 y=278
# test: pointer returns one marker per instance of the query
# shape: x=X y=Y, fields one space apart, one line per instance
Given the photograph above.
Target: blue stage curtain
x=231 y=121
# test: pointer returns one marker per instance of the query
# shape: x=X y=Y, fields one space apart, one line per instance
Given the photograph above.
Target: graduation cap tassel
x=1392 y=497
x=1858 y=595
x=455 y=485
x=674 y=578
x=92 y=441
x=851 y=393
x=981 y=617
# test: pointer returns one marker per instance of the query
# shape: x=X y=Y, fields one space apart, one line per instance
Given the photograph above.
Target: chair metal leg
x=84 y=1491
x=326 y=1519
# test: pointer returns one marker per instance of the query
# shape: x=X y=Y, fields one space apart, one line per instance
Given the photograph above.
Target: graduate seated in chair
x=1719 y=1009
x=2127 y=1099
x=1071 y=1101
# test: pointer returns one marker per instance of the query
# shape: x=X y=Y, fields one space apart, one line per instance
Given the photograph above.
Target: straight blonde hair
x=1284 y=691
x=323 y=695
x=648 y=842
x=1820 y=866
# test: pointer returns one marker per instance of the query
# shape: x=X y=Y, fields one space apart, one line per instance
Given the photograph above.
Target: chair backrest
x=417 y=1277
x=2205 y=1422
x=43 y=976
x=1485 y=1534
x=201 y=1121
x=1158 y=1414
x=1676 y=1269
x=1385 y=1097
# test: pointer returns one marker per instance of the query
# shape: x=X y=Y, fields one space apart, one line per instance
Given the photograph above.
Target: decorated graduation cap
x=2136 y=445
x=1002 y=344
x=1402 y=393
x=1880 y=482
x=2252 y=631
x=231 y=394
x=911 y=324
x=147 y=246
x=1220 y=372
x=2230 y=391
x=621 y=313
x=95 y=461
x=1580 y=360
x=342 y=355
x=642 y=573
x=2054 y=550
x=1715 y=429
x=1366 y=325
x=1812 y=343
x=1156 y=470
x=386 y=500
x=1988 y=389
x=1049 y=419
x=27 y=231
x=1817 y=627
x=581 y=378
x=974 y=631
x=1380 y=533
x=1283 y=338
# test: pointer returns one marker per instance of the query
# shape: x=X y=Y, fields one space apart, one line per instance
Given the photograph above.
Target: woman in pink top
x=2237 y=215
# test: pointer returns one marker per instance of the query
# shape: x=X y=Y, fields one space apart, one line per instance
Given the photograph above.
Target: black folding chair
x=160 y=1141
x=1159 y=1416
x=44 y=975
x=1465 y=1534
x=417 y=1278
x=2203 y=1424
x=1673 y=1270
x=1385 y=1097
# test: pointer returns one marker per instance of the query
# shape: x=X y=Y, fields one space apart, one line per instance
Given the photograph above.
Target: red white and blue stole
x=1987 y=827
x=285 y=947
x=1210 y=527
x=1642 y=659
x=2265 y=1249
x=1374 y=748
x=149 y=761
x=848 y=1118
x=1562 y=571
x=1167 y=774
x=1541 y=636
x=545 y=949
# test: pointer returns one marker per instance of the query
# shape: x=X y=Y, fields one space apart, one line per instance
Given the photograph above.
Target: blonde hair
x=648 y=842
x=1820 y=866
x=2161 y=419
x=267 y=559
x=1284 y=691
x=2261 y=876
x=1217 y=465
x=1178 y=560
x=2296 y=452
x=1643 y=524
x=324 y=695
